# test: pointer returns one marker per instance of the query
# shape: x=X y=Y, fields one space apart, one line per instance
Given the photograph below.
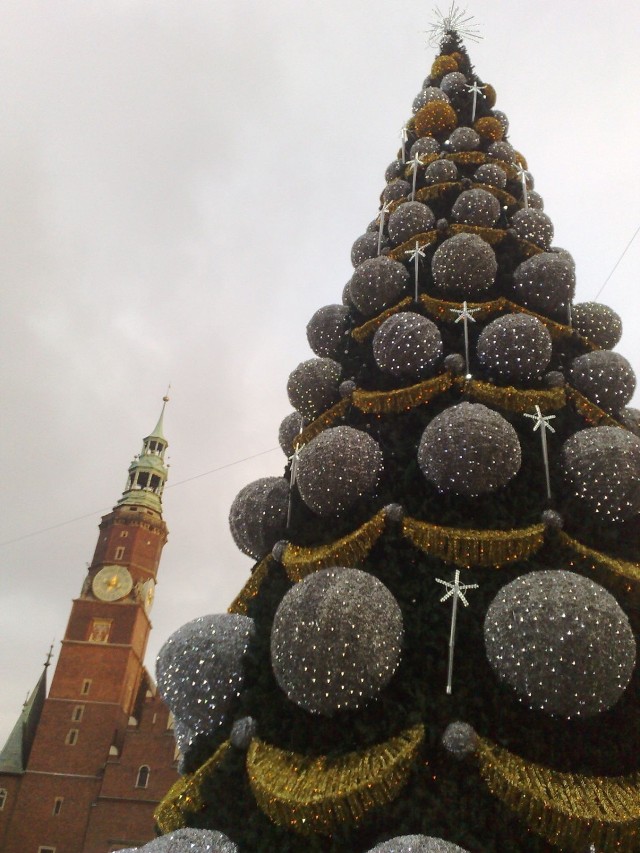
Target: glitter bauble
x=502 y=118
x=597 y=322
x=546 y=283
x=561 y=641
x=200 y=669
x=551 y=518
x=189 y=840
x=336 y=640
x=313 y=386
x=463 y=139
x=606 y=378
x=602 y=465
x=515 y=346
x=489 y=128
x=554 y=379
x=491 y=174
x=394 y=513
x=278 y=550
x=395 y=190
x=416 y=844
x=476 y=207
x=377 y=284
x=409 y=219
x=501 y=150
x=242 y=732
x=459 y=739
x=407 y=345
x=365 y=247
x=535 y=200
x=394 y=170
x=336 y=468
x=469 y=450
x=435 y=119
x=464 y=267
x=290 y=428
x=327 y=330
x=183 y=735
x=630 y=418
x=258 y=515
x=563 y=253
x=424 y=146
x=455 y=363
x=346 y=295
x=454 y=85
x=440 y=172
x=429 y=93
x=533 y=226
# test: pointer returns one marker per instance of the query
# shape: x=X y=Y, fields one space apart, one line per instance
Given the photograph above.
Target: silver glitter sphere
x=378 y=283
x=455 y=363
x=545 y=283
x=476 y=207
x=630 y=418
x=336 y=640
x=258 y=515
x=534 y=226
x=199 y=669
x=346 y=295
x=563 y=253
x=598 y=323
x=365 y=247
x=606 y=378
x=561 y=641
x=440 y=172
x=183 y=735
x=428 y=94
x=454 y=84
x=464 y=267
x=463 y=139
x=396 y=189
x=394 y=170
x=469 y=450
x=503 y=151
x=347 y=388
x=554 y=379
x=409 y=219
x=502 y=118
x=407 y=345
x=242 y=732
x=313 y=386
x=416 y=844
x=424 y=146
x=460 y=739
x=552 y=519
x=277 y=552
x=327 y=330
x=337 y=468
x=290 y=428
x=394 y=513
x=602 y=465
x=535 y=200
x=515 y=346
x=189 y=840
x=491 y=174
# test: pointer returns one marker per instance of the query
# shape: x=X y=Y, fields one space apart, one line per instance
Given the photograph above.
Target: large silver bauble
x=470 y=450
x=290 y=427
x=440 y=172
x=561 y=641
x=366 y=247
x=598 y=323
x=428 y=94
x=463 y=139
x=533 y=226
x=515 y=346
x=336 y=640
x=258 y=515
x=546 y=283
x=416 y=844
x=491 y=174
x=189 y=840
x=337 y=468
x=200 y=669
x=313 y=386
x=606 y=378
x=396 y=189
x=378 y=283
x=424 y=146
x=454 y=84
x=476 y=207
x=464 y=267
x=409 y=219
x=327 y=330
x=602 y=464
x=407 y=345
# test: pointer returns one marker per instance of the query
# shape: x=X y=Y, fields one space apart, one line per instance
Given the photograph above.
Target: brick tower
x=84 y=768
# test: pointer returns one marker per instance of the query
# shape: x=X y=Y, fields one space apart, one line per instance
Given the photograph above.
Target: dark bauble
x=476 y=207
x=515 y=346
x=290 y=427
x=440 y=172
x=606 y=378
x=258 y=515
x=533 y=226
x=327 y=330
x=424 y=146
x=464 y=267
x=407 y=345
x=546 y=283
x=378 y=283
x=454 y=84
x=396 y=190
x=491 y=174
x=365 y=247
x=463 y=139
x=416 y=844
x=409 y=219
x=598 y=323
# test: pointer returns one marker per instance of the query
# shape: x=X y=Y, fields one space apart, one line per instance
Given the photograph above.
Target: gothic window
x=57 y=806
x=143 y=777
x=143 y=479
x=72 y=737
x=86 y=686
x=46 y=850
x=77 y=713
x=3 y=798
x=99 y=630
x=119 y=552
x=124 y=534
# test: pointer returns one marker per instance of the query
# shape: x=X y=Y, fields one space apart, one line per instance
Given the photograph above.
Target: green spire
x=15 y=753
x=148 y=472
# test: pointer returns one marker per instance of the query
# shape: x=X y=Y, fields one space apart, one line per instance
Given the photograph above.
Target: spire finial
x=47 y=662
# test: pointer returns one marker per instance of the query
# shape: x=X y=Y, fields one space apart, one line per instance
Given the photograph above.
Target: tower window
x=46 y=850
x=155 y=482
x=99 y=630
x=86 y=687
x=72 y=737
x=119 y=552
x=78 y=711
x=143 y=479
x=57 y=806
x=142 y=780
x=3 y=798
x=124 y=534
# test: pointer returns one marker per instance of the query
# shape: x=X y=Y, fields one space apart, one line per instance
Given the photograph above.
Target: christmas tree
x=436 y=649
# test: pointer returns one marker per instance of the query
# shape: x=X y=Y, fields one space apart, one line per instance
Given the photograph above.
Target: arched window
x=143 y=777
x=3 y=798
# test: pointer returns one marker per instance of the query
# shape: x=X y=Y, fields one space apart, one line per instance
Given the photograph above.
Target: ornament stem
x=542 y=423
x=455 y=591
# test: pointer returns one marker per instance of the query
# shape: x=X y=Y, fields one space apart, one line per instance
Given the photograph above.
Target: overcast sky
x=181 y=186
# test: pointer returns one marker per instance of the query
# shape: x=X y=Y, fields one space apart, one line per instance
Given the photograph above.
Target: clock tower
x=103 y=753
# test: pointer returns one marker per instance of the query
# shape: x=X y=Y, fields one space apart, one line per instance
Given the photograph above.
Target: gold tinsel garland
x=512 y=399
x=361 y=333
x=471 y=548
x=240 y=603
x=320 y=794
x=569 y=810
x=322 y=422
x=589 y=411
x=626 y=575
x=184 y=796
x=493 y=236
x=402 y=399
x=436 y=190
x=350 y=550
x=425 y=238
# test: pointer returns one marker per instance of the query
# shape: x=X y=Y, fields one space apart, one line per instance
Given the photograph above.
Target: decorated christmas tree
x=436 y=649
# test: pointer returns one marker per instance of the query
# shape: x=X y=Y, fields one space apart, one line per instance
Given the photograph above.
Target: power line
x=106 y=509
x=615 y=266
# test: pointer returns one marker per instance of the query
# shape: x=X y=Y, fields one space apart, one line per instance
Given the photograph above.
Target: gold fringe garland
x=468 y=158
x=493 y=236
x=361 y=333
x=317 y=795
x=351 y=550
x=512 y=399
x=569 y=810
x=626 y=574
x=322 y=422
x=184 y=795
x=471 y=548
x=240 y=603
x=426 y=238
x=589 y=411
x=402 y=399
x=437 y=190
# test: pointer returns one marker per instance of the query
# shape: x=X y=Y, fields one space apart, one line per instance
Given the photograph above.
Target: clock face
x=112 y=583
x=148 y=592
